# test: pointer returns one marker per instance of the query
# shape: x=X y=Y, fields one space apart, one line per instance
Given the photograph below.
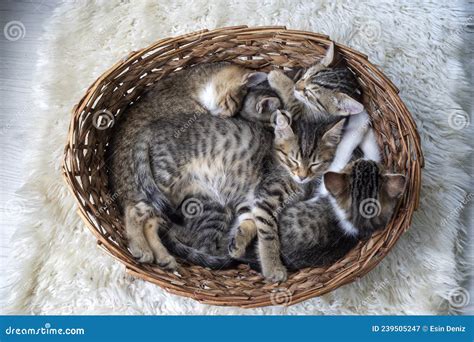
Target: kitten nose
x=302 y=178
x=299 y=86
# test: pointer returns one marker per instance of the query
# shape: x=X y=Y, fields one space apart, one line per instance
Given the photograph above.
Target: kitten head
x=329 y=90
x=230 y=86
x=260 y=103
x=306 y=147
x=366 y=194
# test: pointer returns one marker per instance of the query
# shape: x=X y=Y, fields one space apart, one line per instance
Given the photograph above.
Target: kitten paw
x=226 y=112
x=239 y=242
x=168 y=263
x=277 y=79
x=142 y=253
x=236 y=251
x=276 y=275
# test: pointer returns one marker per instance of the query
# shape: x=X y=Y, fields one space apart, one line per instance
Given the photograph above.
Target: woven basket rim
x=83 y=145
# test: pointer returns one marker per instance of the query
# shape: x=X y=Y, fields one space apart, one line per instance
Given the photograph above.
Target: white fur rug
x=57 y=268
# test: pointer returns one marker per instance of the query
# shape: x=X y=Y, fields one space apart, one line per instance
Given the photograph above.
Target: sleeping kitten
x=324 y=91
x=304 y=150
x=316 y=232
x=215 y=88
x=361 y=200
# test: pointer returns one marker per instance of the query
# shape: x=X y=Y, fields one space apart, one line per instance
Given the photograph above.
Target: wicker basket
x=258 y=48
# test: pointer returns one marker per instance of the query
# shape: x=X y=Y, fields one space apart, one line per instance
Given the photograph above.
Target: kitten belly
x=221 y=180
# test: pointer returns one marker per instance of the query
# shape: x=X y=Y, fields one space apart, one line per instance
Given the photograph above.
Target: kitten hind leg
x=135 y=216
x=161 y=255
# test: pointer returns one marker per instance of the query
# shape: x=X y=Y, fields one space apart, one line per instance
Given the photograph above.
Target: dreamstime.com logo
x=46 y=330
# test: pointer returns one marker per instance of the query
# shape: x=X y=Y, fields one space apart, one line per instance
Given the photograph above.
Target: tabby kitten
x=324 y=91
x=215 y=88
x=321 y=94
x=362 y=199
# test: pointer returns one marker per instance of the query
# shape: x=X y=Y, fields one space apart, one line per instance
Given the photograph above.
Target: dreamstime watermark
x=371 y=30
x=458 y=209
x=185 y=127
x=192 y=207
x=14 y=30
x=369 y=208
x=458 y=120
x=17 y=117
x=294 y=196
x=103 y=119
x=109 y=200
x=468 y=27
x=14 y=207
x=459 y=297
x=280 y=119
x=281 y=296
x=379 y=287
x=46 y=330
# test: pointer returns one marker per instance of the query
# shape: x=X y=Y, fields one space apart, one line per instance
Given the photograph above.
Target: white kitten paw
x=167 y=262
x=277 y=274
x=142 y=252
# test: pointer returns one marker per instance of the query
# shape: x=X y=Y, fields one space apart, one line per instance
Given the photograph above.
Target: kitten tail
x=194 y=256
x=145 y=180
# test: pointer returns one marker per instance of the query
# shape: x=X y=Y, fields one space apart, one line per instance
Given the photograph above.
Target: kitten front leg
x=269 y=245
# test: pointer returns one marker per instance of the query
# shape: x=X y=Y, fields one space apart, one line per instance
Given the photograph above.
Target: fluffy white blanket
x=56 y=267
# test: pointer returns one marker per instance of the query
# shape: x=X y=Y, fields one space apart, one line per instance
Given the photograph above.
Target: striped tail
x=194 y=256
x=145 y=180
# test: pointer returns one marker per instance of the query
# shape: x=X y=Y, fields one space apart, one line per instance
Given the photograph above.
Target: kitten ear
x=268 y=104
x=346 y=105
x=333 y=135
x=282 y=125
x=253 y=78
x=394 y=184
x=329 y=57
x=335 y=182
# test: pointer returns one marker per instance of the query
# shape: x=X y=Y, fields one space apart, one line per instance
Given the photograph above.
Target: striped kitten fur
x=314 y=232
x=217 y=89
x=269 y=179
x=230 y=161
x=304 y=152
x=323 y=91
x=362 y=199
